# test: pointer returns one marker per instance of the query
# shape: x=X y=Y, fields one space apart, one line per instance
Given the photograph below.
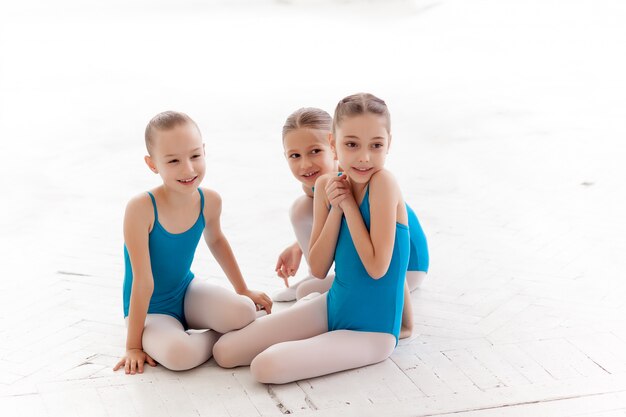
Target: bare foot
x=405 y=332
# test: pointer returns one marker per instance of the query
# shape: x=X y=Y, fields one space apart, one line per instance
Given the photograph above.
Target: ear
x=150 y=164
x=331 y=140
x=389 y=143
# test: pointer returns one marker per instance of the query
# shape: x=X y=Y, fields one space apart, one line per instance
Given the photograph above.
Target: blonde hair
x=164 y=121
x=307 y=117
x=361 y=103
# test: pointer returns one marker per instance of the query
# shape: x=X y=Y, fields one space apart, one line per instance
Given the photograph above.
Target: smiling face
x=361 y=143
x=177 y=155
x=308 y=154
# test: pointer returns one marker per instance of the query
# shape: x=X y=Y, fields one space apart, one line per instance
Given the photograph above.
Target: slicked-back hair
x=358 y=104
x=307 y=117
x=165 y=121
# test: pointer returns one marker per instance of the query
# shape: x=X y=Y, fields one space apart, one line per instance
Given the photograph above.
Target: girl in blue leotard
x=361 y=224
x=162 y=228
x=309 y=156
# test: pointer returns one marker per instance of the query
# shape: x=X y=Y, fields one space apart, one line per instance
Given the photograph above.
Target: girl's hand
x=260 y=300
x=338 y=189
x=348 y=198
x=133 y=361
x=289 y=262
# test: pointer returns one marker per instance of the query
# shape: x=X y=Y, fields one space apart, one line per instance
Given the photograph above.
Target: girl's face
x=308 y=154
x=178 y=157
x=361 y=144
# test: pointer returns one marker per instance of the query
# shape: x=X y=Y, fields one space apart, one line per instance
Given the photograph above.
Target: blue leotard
x=418 y=260
x=171 y=255
x=355 y=300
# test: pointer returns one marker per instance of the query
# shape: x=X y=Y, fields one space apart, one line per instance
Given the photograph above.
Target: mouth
x=311 y=174
x=362 y=170
x=188 y=181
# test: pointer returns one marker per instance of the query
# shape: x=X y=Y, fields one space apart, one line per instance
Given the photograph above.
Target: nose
x=188 y=167
x=306 y=163
x=364 y=156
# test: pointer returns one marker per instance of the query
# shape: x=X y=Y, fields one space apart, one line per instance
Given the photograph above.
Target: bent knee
x=267 y=368
x=180 y=355
x=414 y=279
x=375 y=347
x=243 y=314
x=308 y=288
x=224 y=353
x=239 y=316
x=384 y=348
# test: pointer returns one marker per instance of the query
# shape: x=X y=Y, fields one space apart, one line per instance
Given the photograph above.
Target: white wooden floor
x=508 y=141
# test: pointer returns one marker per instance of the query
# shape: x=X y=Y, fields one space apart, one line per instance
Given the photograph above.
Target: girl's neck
x=175 y=199
x=358 y=190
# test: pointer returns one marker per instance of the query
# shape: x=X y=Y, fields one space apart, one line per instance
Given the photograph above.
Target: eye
x=294 y=155
x=351 y=145
x=316 y=151
x=377 y=145
x=196 y=156
x=173 y=161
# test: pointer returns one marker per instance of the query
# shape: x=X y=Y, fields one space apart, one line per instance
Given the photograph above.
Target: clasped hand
x=339 y=192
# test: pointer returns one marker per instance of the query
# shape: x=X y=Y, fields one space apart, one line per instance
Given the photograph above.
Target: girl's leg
x=321 y=355
x=415 y=279
x=314 y=285
x=301 y=321
x=406 y=329
x=291 y=293
x=301 y=216
x=308 y=297
x=166 y=341
x=209 y=306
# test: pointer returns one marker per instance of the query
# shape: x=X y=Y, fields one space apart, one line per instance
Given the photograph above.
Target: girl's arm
x=137 y=221
x=289 y=262
x=376 y=247
x=301 y=218
x=222 y=252
x=325 y=231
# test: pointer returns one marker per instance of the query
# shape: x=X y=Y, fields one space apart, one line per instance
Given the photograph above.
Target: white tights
x=414 y=280
x=207 y=306
x=295 y=344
